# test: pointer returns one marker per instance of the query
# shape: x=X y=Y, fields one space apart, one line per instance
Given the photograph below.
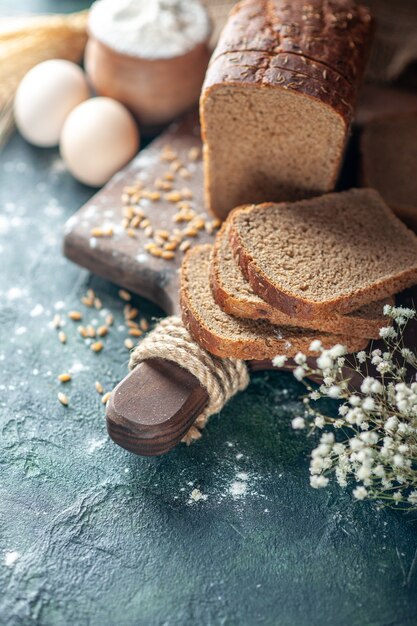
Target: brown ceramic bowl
x=155 y=90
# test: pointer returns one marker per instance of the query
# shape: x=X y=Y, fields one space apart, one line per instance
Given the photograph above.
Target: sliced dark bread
x=389 y=163
x=227 y=336
x=235 y=296
x=337 y=252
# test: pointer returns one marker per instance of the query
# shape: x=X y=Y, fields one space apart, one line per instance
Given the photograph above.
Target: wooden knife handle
x=151 y=410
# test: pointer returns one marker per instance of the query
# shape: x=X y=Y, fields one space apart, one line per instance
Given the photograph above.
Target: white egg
x=45 y=97
x=99 y=137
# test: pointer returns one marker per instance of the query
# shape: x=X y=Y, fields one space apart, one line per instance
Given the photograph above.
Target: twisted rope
x=222 y=378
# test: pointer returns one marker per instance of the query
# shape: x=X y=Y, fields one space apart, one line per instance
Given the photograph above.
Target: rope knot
x=222 y=378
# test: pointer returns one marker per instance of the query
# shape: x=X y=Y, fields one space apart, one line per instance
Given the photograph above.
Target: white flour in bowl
x=152 y=29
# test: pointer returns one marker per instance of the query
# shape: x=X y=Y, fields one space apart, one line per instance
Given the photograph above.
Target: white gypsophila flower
x=387 y=309
x=376 y=360
x=327 y=438
x=324 y=361
x=384 y=367
x=388 y=332
x=398 y=460
x=315 y=395
x=299 y=373
x=300 y=358
x=401 y=311
x=318 y=481
x=361 y=356
x=360 y=493
x=279 y=361
x=412 y=498
x=341 y=361
x=341 y=477
x=391 y=424
x=298 y=423
x=338 y=423
x=343 y=410
x=354 y=400
x=397 y=496
x=319 y=421
x=337 y=350
x=364 y=473
x=368 y=404
x=334 y=392
x=377 y=387
x=366 y=386
x=316 y=346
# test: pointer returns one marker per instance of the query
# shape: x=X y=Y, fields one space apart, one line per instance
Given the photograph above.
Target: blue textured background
x=98 y=536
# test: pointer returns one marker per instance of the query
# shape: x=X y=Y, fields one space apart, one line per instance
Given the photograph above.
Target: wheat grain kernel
x=62 y=336
x=99 y=387
x=102 y=331
x=124 y=295
x=144 y=324
x=97 y=346
x=64 y=378
x=128 y=344
x=75 y=316
x=106 y=397
x=135 y=332
x=63 y=399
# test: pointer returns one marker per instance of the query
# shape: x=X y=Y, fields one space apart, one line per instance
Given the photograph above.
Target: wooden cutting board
x=154 y=406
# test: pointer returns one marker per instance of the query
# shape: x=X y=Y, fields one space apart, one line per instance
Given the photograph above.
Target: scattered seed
x=76 y=316
x=91 y=331
x=175 y=166
x=62 y=336
x=135 y=332
x=131 y=233
x=87 y=301
x=132 y=324
x=184 y=173
x=56 y=321
x=100 y=232
x=144 y=324
x=109 y=319
x=64 y=378
x=185 y=245
x=168 y=255
x=124 y=295
x=149 y=231
x=217 y=222
x=136 y=221
x=128 y=343
x=99 y=387
x=130 y=313
x=145 y=223
x=63 y=399
x=102 y=331
x=106 y=397
x=154 y=196
x=186 y=193
x=155 y=251
x=171 y=245
x=97 y=346
x=98 y=304
x=173 y=196
x=83 y=331
x=194 y=154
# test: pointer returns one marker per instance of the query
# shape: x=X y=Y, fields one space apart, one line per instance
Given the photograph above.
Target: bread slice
x=333 y=253
x=278 y=100
x=389 y=163
x=235 y=296
x=227 y=336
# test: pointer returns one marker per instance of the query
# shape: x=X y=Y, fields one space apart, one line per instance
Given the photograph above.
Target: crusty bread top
x=335 y=33
x=235 y=296
x=231 y=337
x=389 y=159
x=337 y=252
